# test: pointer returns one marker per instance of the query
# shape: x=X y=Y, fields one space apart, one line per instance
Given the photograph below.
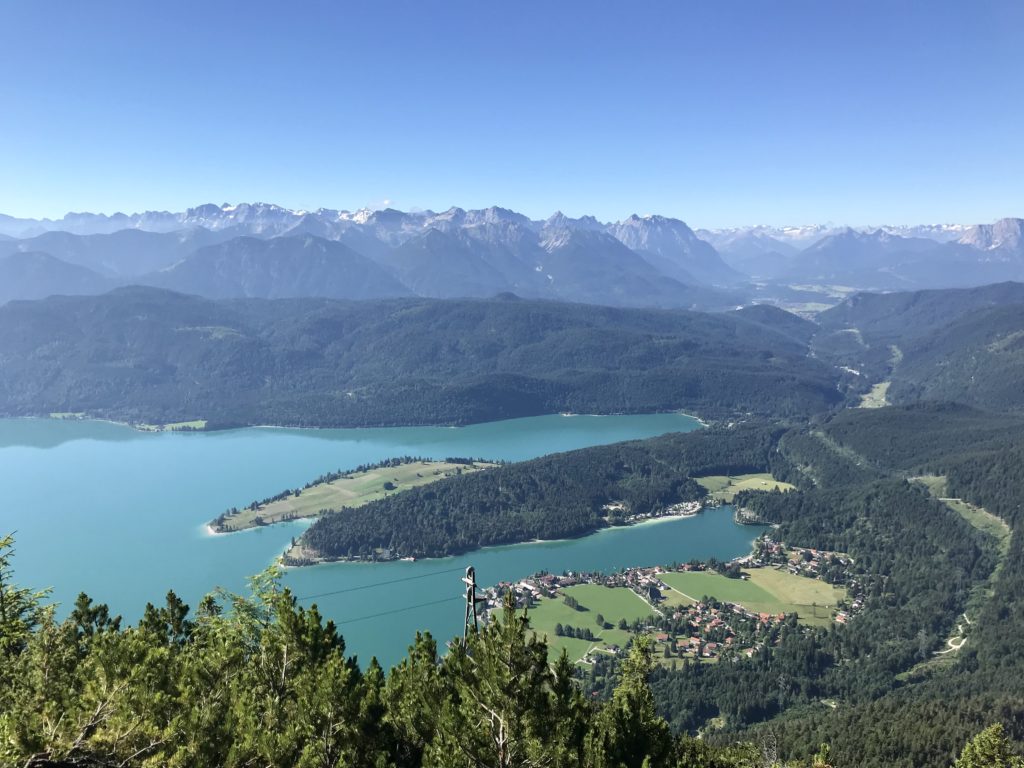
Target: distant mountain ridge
x=215 y=251
x=34 y=275
x=649 y=260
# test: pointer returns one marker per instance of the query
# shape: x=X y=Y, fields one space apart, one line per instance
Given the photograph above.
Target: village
x=615 y=511
x=697 y=611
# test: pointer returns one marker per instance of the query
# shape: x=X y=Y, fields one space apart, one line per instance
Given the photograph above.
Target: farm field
x=613 y=603
x=352 y=490
x=767 y=591
x=725 y=487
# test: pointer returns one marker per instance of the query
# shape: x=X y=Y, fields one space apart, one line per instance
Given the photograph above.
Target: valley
x=583 y=500
x=479 y=385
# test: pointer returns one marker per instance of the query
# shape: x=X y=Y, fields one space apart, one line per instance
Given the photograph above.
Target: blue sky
x=720 y=113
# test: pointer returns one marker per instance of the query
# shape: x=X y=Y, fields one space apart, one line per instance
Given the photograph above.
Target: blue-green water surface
x=120 y=514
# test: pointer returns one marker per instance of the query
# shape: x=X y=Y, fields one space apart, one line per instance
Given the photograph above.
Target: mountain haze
x=283 y=267
x=31 y=275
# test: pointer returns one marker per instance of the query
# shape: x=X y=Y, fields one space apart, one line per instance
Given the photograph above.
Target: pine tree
x=628 y=731
x=989 y=749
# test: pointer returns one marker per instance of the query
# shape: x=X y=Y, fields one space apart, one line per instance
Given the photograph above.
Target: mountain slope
x=283 y=267
x=147 y=354
x=590 y=266
x=754 y=253
x=871 y=259
x=896 y=317
x=948 y=344
x=977 y=359
x=126 y=253
x=674 y=248
x=1006 y=235
x=34 y=275
x=440 y=265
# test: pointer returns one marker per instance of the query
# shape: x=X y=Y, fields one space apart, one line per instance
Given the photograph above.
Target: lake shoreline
x=156 y=428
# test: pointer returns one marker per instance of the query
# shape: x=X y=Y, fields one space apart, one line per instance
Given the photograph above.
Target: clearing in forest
x=725 y=487
x=877 y=397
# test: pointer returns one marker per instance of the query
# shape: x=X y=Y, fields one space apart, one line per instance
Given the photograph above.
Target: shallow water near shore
x=120 y=514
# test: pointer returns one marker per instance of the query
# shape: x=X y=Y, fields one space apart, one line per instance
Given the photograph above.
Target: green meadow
x=612 y=603
x=352 y=490
x=767 y=591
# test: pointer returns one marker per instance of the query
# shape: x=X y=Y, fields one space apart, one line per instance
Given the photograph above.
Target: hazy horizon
x=388 y=204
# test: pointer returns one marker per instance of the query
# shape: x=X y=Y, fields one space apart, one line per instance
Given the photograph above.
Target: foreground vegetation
x=262 y=681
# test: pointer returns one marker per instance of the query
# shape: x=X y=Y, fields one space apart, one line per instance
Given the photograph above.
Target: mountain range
x=263 y=250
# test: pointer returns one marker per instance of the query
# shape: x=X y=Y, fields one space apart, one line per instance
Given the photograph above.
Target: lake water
x=120 y=514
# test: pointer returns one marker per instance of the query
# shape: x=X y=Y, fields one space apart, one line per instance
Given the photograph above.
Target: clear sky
x=721 y=113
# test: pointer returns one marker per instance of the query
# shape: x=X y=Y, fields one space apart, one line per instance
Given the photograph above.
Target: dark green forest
x=954 y=345
x=887 y=700
x=145 y=355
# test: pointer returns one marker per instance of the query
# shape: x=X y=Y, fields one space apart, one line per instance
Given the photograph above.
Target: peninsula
x=344 y=489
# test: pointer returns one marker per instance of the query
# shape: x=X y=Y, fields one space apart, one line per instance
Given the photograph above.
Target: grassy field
x=353 y=490
x=767 y=591
x=613 y=603
x=725 y=487
x=877 y=397
x=178 y=426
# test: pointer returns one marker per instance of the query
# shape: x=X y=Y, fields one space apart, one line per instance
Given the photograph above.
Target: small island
x=344 y=489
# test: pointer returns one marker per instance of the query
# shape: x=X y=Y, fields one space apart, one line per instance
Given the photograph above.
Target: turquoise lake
x=120 y=514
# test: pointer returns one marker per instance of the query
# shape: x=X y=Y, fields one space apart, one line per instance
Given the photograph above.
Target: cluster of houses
x=704 y=630
x=709 y=630
x=834 y=567
x=618 y=511
x=699 y=631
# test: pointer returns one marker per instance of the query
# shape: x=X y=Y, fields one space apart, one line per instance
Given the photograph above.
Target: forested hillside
x=141 y=354
x=978 y=359
x=959 y=345
x=918 y=716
